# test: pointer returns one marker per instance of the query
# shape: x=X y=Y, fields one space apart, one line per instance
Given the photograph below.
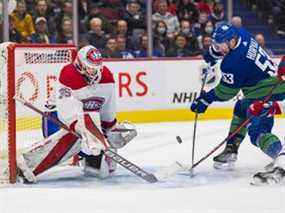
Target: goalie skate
x=226 y=160
x=269 y=177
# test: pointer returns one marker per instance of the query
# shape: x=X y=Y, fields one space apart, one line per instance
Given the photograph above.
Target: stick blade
x=170 y=171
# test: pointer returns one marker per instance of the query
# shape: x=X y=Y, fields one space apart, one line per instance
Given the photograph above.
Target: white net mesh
x=36 y=71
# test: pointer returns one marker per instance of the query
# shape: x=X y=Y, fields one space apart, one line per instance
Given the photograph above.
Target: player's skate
x=99 y=166
x=227 y=158
x=273 y=176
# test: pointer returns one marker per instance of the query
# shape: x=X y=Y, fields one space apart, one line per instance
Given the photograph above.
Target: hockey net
x=30 y=72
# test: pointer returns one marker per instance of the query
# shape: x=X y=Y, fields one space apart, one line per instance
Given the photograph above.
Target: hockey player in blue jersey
x=245 y=67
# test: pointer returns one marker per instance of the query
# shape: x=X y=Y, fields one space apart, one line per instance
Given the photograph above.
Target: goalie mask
x=89 y=63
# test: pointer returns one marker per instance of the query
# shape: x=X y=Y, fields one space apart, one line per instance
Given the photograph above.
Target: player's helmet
x=224 y=33
x=89 y=63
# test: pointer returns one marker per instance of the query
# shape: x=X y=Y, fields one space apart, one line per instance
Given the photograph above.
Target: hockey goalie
x=85 y=101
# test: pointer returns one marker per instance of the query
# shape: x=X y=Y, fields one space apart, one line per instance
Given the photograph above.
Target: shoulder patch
x=71 y=78
x=107 y=76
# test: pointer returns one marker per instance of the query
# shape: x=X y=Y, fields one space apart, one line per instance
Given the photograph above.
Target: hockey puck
x=178 y=138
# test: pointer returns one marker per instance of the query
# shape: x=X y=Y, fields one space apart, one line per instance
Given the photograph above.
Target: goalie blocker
x=85 y=100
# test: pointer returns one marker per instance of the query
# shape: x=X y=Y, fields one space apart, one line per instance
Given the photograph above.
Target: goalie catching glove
x=119 y=134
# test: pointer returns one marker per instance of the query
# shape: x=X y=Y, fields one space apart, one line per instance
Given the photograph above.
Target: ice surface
x=64 y=189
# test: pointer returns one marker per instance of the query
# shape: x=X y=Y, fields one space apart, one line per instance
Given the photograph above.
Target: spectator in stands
x=135 y=18
x=66 y=12
x=122 y=30
x=55 y=7
x=187 y=10
x=41 y=10
x=172 y=7
x=14 y=34
x=142 y=51
x=110 y=50
x=261 y=41
x=67 y=9
x=170 y=20
x=198 y=28
x=121 y=47
x=82 y=14
x=203 y=6
x=209 y=28
x=180 y=49
x=23 y=21
x=82 y=9
x=65 y=33
x=192 y=41
x=160 y=35
x=218 y=13
x=236 y=21
x=206 y=42
x=96 y=36
x=94 y=12
x=29 y=5
x=155 y=4
x=41 y=34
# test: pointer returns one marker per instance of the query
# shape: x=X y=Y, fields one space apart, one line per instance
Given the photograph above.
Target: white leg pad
x=26 y=171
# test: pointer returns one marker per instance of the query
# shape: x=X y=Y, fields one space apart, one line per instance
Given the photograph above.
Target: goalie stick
x=113 y=155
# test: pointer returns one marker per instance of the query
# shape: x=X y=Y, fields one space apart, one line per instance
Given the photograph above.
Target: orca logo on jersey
x=92 y=104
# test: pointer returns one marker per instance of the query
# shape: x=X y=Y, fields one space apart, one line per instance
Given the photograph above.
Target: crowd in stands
x=271 y=10
x=118 y=27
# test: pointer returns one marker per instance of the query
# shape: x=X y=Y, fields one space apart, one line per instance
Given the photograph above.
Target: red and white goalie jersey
x=76 y=97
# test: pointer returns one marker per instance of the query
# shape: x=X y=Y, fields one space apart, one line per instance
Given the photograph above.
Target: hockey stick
x=195 y=128
x=246 y=122
x=111 y=154
x=180 y=167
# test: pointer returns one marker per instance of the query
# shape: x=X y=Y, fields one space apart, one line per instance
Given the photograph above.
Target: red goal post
x=30 y=71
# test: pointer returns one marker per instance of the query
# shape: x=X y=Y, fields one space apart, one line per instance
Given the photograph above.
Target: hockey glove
x=261 y=109
x=281 y=69
x=120 y=134
x=201 y=104
x=209 y=74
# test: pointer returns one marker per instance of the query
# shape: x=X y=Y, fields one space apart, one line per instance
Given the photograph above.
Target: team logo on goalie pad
x=93 y=104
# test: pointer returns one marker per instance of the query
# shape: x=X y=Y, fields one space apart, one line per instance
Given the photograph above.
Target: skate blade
x=224 y=166
x=259 y=182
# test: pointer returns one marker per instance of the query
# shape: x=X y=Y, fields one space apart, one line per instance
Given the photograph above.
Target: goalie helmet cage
x=29 y=71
